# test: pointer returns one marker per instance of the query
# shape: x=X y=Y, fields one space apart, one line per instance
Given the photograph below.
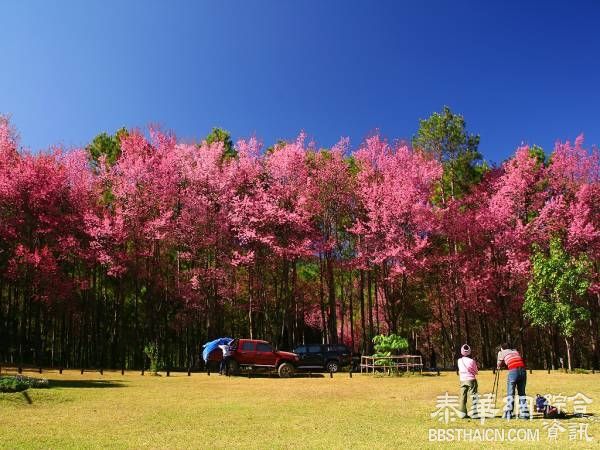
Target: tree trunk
x=362 y=312
x=331 y=299
x=594 y=332
x=250 y=327
x=324 y=327
x=568 y=353
x=294 y=309
x=377 y=306
x=467 y=329
x=351 y=293
x=370 y=308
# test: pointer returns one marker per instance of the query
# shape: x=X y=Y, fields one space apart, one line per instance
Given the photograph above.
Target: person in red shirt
x=516 y=379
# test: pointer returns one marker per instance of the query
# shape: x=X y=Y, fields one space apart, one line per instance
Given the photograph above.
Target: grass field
x=134 y=411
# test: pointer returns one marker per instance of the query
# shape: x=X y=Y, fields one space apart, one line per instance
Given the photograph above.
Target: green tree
x=106 y=145
x=388 y=345
x=558 y=281
x=151 y=352
x=538 y=153
x=444 y=136
x=221 y=135
x=109 y=147
x=280 y=143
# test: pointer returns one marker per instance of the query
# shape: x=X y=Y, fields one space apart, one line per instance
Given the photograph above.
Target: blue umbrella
x=209 y=347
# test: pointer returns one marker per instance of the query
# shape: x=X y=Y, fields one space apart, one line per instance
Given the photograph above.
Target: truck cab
x=258 y=354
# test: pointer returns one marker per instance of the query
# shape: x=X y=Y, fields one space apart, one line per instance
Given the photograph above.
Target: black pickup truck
x=328 y=357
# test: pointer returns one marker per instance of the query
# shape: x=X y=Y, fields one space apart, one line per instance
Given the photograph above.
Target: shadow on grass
x=316 y=375
x=17 y=397
x=567 y=416
x=537 y=417
x=275 y=376
x=85 y=384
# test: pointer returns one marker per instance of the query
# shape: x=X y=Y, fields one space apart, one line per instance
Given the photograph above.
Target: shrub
x=20 y=383
x=12 y=384
x=386 y=346
x=151 y=351
x=38 y=383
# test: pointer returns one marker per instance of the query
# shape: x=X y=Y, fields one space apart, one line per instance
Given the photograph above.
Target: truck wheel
x=332 y=366
x=234 y=367
x=285 y=370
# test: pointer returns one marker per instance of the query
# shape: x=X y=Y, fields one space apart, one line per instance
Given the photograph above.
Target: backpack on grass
x=550 y=412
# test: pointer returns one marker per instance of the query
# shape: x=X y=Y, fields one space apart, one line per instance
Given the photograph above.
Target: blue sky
x=518 y=72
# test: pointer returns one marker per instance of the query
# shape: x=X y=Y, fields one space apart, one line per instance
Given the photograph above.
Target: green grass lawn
x=134 y=411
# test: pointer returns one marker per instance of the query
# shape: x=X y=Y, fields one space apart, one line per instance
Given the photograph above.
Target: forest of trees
x=143 y=239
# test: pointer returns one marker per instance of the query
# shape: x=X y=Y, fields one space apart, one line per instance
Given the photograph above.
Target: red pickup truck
x=256 y=354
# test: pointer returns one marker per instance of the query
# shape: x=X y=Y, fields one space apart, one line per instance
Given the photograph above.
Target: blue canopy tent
x=209 y=347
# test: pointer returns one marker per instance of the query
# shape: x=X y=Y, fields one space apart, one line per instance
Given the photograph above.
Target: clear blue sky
x=518 y=71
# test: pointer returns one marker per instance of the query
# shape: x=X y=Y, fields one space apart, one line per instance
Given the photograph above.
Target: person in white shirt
x=224 y=367
x=467 y=369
